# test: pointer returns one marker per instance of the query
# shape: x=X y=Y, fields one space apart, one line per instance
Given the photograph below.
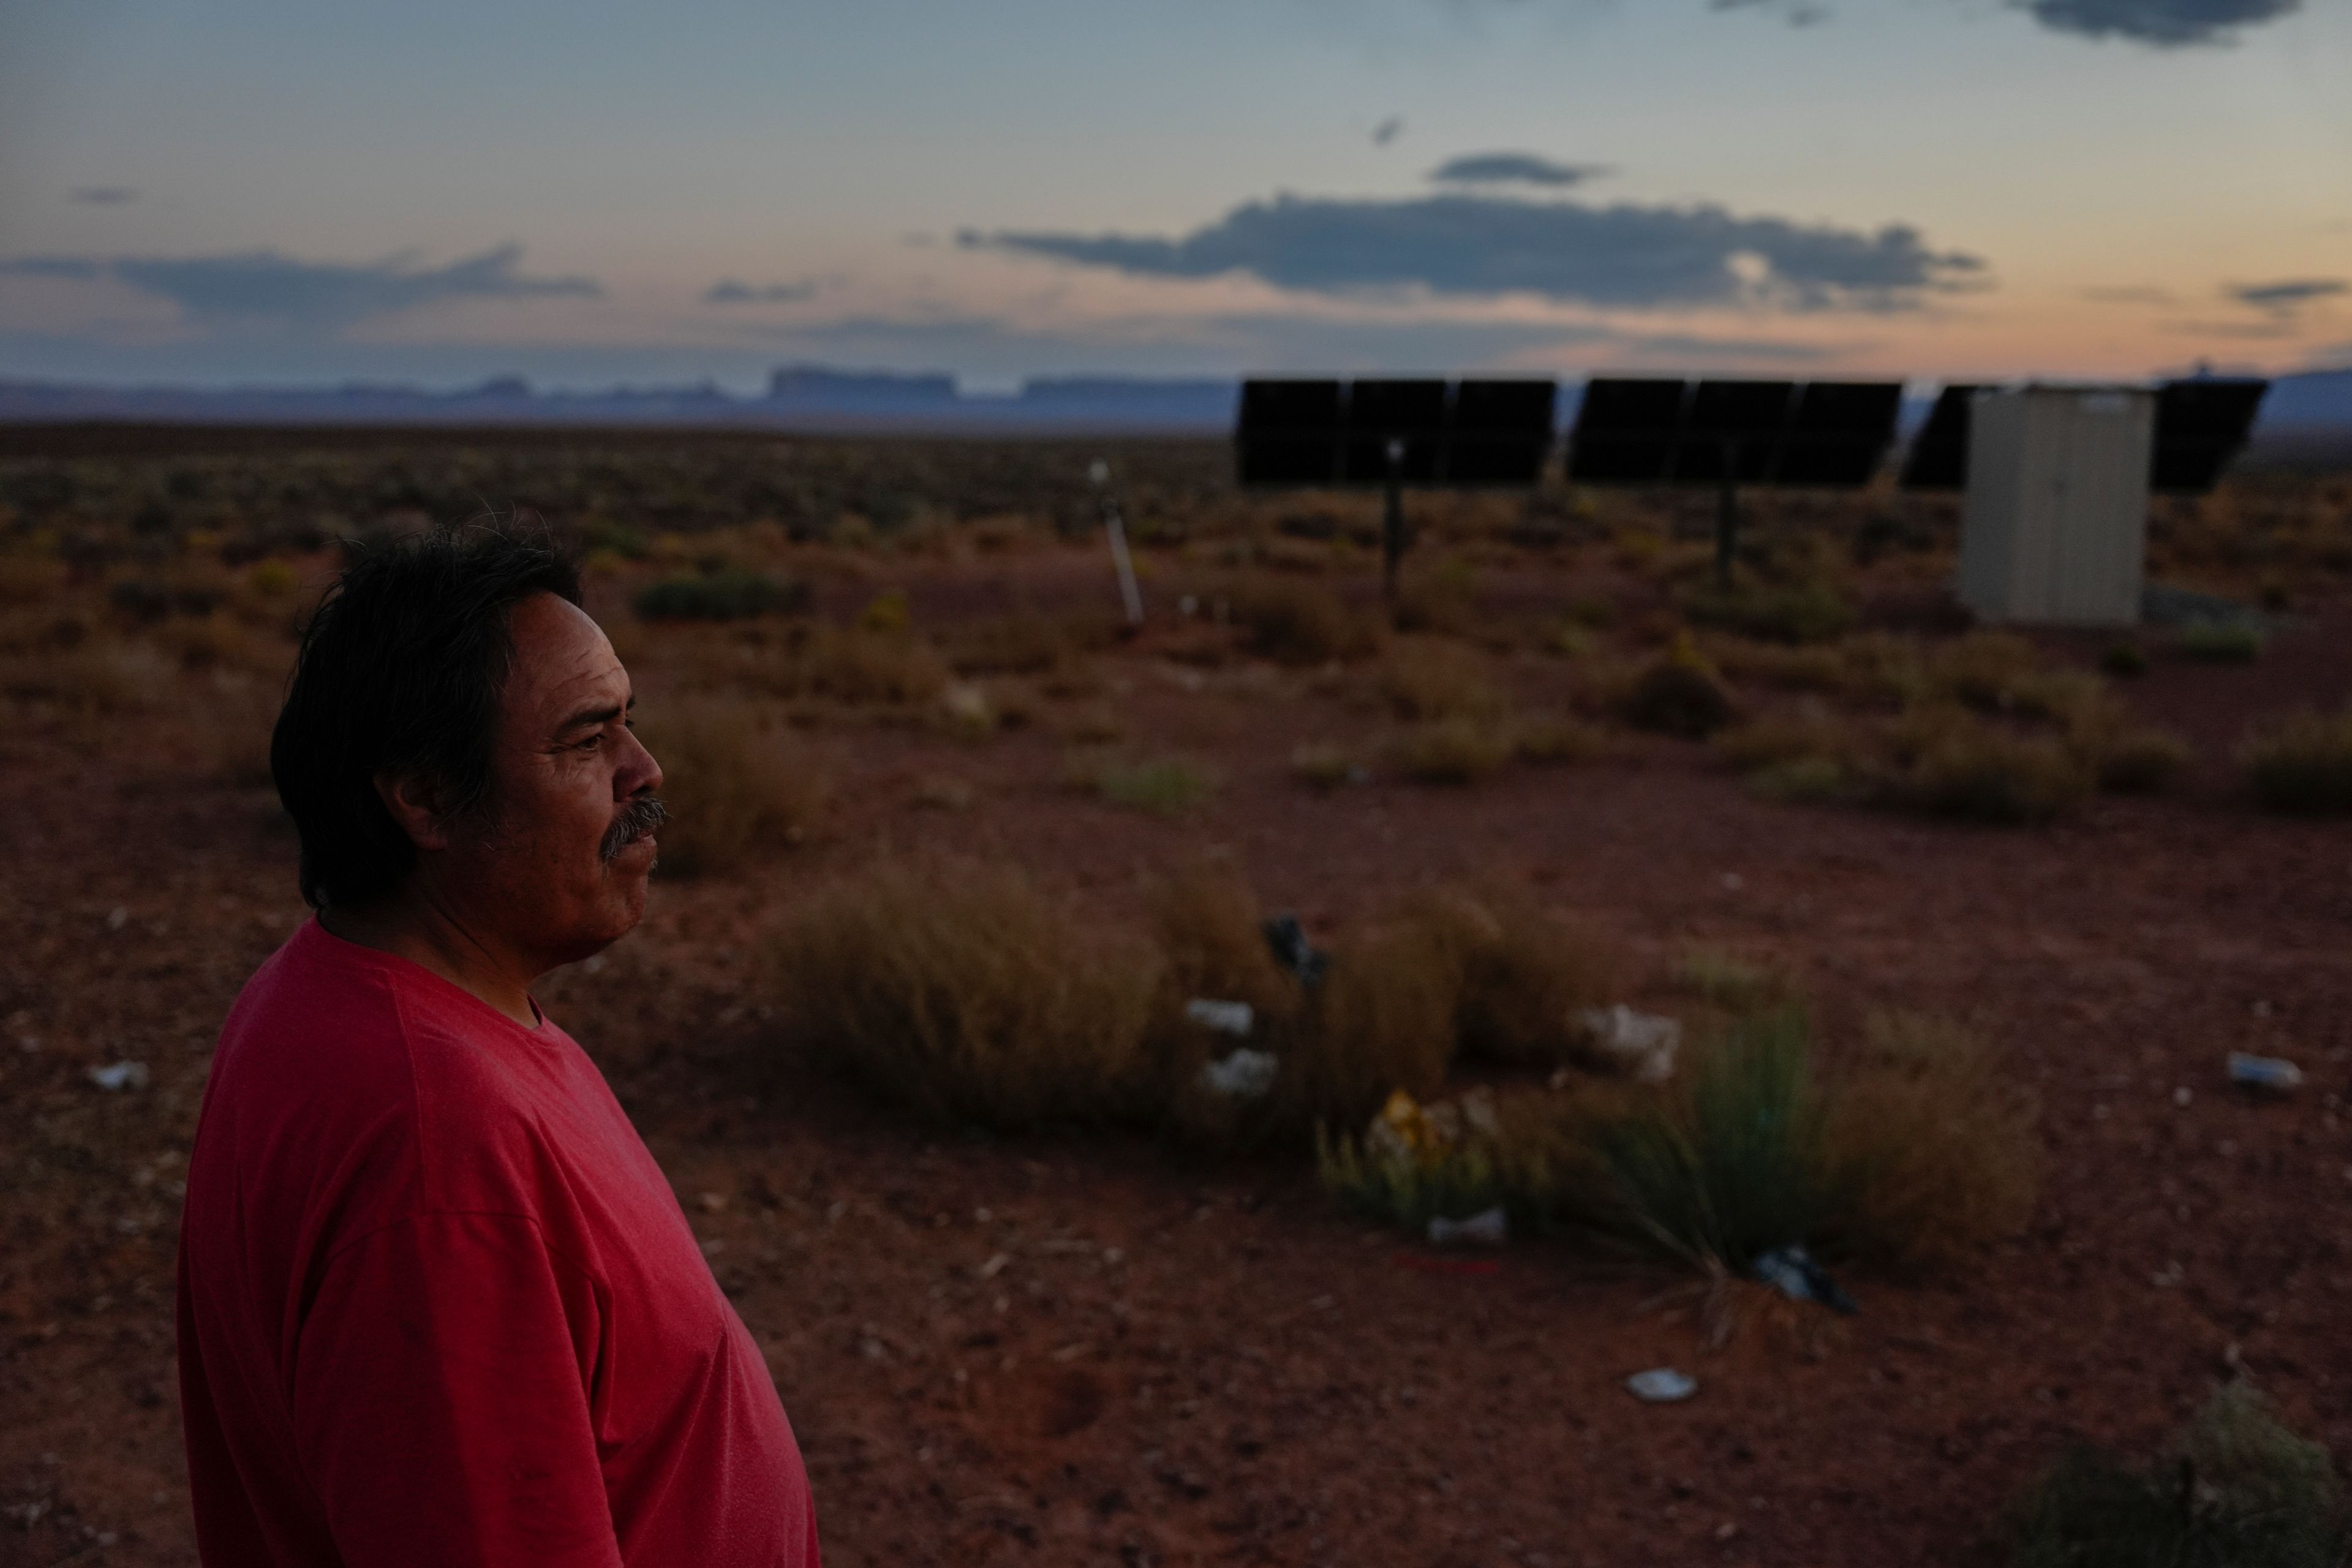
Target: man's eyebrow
x=595 y=718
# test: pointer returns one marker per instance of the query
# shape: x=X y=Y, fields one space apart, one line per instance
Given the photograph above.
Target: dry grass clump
x=1931 y=1144
x=1551 y=740
x=2303 y=764
x=1296 y=622
x=30 y=579
x=968 y=994
x=1524 y=978
x=1208 y=925
x=1679 y=693
x=858 y=665
x=1947 y=762
x=2127 y=757
x=2222 y=642
x=1382 y=1018
x=1725 y=980
x=1028 y=643
x=738 y=788
x=88 y=680
x=728 y=595
x=1430 y=678
x=1456 y=751
x=1324 y=767
x=1167 y=787
x=2237 y=1488
x=1801 y=612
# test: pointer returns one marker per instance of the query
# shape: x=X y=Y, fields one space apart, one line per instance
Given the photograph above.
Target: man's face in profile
x=561 y=857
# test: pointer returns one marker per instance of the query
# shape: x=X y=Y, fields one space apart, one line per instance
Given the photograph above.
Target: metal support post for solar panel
x=1129 y=595
x=1727 y=516
x=1392 y=521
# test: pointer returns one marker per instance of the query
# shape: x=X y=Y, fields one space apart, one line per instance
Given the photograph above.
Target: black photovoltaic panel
x=1501 y=432
x=1939 y=452
x=1380 y=411
x=1648 y=431
x=1290 y=432
x=1327 y=432
x=1625 y=431
x=2200 y=426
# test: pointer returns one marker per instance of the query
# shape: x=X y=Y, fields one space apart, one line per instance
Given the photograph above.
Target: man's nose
x=640 y=773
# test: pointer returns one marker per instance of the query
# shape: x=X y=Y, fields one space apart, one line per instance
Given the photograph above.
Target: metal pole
x=1393 y=523
x=1129 y=595
x=1726 y=517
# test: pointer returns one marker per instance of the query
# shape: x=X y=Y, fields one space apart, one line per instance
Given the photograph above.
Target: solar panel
x=2200 y=426
x=1500 y=432
x=1627 y=430
x=1732 y=430
x=1939 y=452
x=1290 y=432
x=1380 y=411
x=1838 y=433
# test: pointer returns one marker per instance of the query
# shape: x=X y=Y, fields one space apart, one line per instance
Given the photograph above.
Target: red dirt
x=1177 y=1362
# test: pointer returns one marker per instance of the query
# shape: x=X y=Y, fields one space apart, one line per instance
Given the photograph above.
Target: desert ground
x=1117 y=1329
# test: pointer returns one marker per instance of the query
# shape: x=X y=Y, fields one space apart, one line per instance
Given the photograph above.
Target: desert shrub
x=1679 y=693
x=1985 y=669
x=1208 y=925
x=1929 y=1144
x=730 y=594
x=1421 y=1162
x=1167 y=785
x=1429 y=679
x=2303 y=764
x=1442 y=600
x=1382 y=1018
x=2127 y=758
x=1803 y=780
x=1726 y=980
x=1458 y=751
x=2238 y=1487
x=1721 y=1167
x=1551 y=739
x=887 y=614
x=968 y=994
x=1947 y=764
x=1523 y=977
x=29 y=579
x=88 y=680
x=736 y=789
x=855 y=665
x=1296 y=622
x=1782 y=738
x=2222 y=642
x=2124 y=660
x=1322 y=767
x=1809 y=612
x=1027 y=643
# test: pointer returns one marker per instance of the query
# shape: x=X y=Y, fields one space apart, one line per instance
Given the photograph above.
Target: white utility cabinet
x=2054 y=528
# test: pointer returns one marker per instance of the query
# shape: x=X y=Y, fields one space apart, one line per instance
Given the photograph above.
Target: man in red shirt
x=437 y=1305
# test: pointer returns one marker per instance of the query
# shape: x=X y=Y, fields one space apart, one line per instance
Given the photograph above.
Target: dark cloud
x=2287 y=296
x=1513 y=168
x=1796 y=12
x=1621 y=255
x=729 y=291
x=2169 y=24
x=1388 y=130
x=263 y=288
x=75 y=266
x=104 y=195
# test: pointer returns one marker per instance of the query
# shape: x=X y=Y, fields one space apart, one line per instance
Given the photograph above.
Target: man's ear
x=413 y=799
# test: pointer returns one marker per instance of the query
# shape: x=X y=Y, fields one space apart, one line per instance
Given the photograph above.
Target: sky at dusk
x=256 y=191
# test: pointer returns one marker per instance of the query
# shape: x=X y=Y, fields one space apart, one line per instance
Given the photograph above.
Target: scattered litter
x=967 y=704
x=119 y=1077
x=2183 y=1095
x=1645 y=1042
x=1791 y=1272
x=1459 y=1265
x=2273 y=1073
x=1489 y=1228
x=995 y=1265
x=1225 y=1017
x=1291 y=949
x=1661 y=1386
x=117 y=917
x=1244 y=1075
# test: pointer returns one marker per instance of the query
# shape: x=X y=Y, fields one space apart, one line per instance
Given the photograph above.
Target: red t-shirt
x=439 y=1306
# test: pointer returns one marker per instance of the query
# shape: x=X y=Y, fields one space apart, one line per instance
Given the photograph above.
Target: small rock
x=117 y=917
x=121 y=1075
x=1661 y=1386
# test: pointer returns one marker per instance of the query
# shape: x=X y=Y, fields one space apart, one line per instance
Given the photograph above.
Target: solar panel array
x=1647 y=431
x=2200 y=425
x=1468 y=433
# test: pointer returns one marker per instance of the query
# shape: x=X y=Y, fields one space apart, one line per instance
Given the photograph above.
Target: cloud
x=728 y=291
x=267 y=289
x=79 y=268
x=1796 y=12
x=1388 y=130
x=104 y=195
x=2287 y=296
x=2167 y=23
x=1615 y=257
x=1512 y=168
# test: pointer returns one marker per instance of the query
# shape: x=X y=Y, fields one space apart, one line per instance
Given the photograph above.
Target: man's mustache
x=634 y=821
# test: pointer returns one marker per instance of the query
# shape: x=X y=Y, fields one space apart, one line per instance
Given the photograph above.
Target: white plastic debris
x=119 y=1077
x=1791 y=1272
x=1645 y=1042
x=1661 y=1386
x=1490 y=1228
x=1244 y=1075
x=2264 y=1072
x=1225 y=1017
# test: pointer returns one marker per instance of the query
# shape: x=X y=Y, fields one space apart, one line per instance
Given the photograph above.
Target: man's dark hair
x=402 y=669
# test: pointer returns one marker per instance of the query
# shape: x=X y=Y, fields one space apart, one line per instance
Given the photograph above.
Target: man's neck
x=416 y=929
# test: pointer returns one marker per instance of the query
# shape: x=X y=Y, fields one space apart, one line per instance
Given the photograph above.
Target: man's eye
x=591 y=743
